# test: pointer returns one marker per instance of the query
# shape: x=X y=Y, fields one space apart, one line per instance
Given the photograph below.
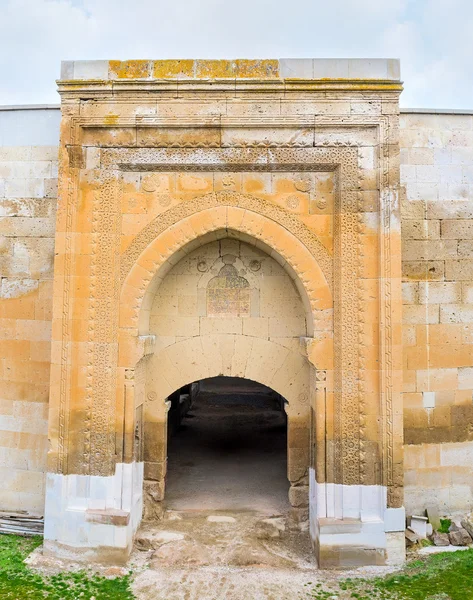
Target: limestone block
x=242 y=108
x=467 y=292
x=411 y=209
x=421 y=314
x=436 y=292
x=299 y=495
x=286 y=327
x=337 y=68
x=452 y=174
x=461 y=537
x=20 y=153
x=155 y=471
x=44 y=153
x=25 y=188
x=26 y=227
x=456 y=313
x=177 y=326
x=271 y=528
x=165 y=305
x=465 y=378
x=84 y=69
x=457 y=229
x=465 y=248
x=459 y=209
x=26 y=207
x=420 y=229
x=395 y=548
x=421 y=156
x=218 y=325
x=428 y=173
x=467 y=524
x=296 y=68
x=182 y=357
x=439 y=334
x=441 y=539
x=410 y=293
x=436 y=379
x=427 y=192
x=412 y=400
x=413 y=250
x=14 y=288
x=264 y=360
x=409 y=335
x=187 y=306
x=408 y=173
x=423 y=270
x=256 y=326
x=459 y=270
x=467 y=171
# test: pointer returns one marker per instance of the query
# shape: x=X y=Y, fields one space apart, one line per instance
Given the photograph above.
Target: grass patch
x=18 y=582
x=445 y=525
x=445 y=576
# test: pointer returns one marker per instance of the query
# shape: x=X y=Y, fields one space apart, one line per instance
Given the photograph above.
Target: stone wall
x=184 y=306
x=437 y=250
x=437 y=231
x=28 y=182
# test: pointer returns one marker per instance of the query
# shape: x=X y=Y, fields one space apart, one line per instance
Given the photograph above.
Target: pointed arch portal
x=251 y=231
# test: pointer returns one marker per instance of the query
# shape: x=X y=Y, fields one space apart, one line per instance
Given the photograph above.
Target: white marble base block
x=91 y=517
x=351 y=520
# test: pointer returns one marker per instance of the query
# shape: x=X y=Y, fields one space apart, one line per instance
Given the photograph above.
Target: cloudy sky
x=433 y=38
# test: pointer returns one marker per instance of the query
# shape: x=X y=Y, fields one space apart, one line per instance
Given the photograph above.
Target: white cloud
x=432 y=37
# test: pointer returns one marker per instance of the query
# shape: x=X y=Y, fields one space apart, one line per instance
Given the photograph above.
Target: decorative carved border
x=103 y=325
x=350 y=419
x=228 y=198
x=388 y=193
x=64 y=377
x=346 y=250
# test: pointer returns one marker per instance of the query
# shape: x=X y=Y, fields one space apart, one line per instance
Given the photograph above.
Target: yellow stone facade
x=161 y=165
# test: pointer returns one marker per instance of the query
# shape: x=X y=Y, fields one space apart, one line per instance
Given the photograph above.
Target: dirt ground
x=229 y=555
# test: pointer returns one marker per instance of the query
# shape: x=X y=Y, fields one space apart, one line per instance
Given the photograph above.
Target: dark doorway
x=227 y=448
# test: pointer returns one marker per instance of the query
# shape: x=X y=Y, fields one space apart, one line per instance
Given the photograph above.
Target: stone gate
x=298 y=158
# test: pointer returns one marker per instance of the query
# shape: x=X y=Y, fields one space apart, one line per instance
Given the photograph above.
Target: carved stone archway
x=286 y=372
x=137 y=355
x=306 y=168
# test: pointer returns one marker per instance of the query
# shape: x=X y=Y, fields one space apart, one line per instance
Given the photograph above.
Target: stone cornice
x=96 y=87
x=240 y=75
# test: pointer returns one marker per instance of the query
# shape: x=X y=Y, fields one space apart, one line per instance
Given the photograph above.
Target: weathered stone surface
x=460 y=537
x=440 y=539
x=270 y=528
x=433 y=516
x=181 y=553
x=150 y=539
x=221 y=519
x=256 y=556
x=467 y=524
x=299 y=495
x=411 y=537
